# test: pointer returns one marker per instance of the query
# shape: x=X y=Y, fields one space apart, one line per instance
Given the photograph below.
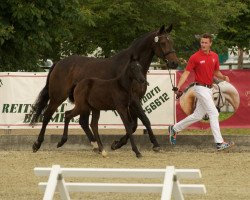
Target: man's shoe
x=224 y=145
x=172 y=135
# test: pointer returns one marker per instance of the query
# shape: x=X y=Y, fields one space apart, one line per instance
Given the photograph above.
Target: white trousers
x=205 y=105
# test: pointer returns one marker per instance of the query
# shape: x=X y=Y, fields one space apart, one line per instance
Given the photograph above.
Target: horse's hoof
x=59 y=144
x=114 y=145
x=62 y=142
x=139 y=155
x=35 y=147
x=104 y=154
x=156 y=148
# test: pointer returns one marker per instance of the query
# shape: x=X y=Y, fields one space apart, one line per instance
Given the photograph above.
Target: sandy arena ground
x=225 y=174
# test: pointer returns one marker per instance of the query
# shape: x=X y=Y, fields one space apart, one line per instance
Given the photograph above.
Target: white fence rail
x=170 y=186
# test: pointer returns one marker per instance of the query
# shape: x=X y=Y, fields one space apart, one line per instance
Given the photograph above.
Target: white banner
x=18 y=91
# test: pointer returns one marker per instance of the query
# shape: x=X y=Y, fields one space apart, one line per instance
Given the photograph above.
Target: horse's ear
x=162 y=29
x=169 y=29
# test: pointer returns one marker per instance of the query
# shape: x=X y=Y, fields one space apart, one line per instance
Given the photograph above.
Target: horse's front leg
x=144 y=119
x=123 y=112
x=124 y=139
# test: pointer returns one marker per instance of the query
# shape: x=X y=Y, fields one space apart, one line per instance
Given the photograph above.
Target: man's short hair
x=207 y=35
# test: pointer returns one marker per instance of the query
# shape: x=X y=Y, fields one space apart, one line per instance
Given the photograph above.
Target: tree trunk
x=240 y=58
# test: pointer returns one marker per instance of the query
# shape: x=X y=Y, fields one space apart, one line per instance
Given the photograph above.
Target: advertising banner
x=18 y=91
x=237 y=93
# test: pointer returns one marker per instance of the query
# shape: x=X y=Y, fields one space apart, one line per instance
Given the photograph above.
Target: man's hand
x=177 y=92
x=226 y=78
x=175 y=89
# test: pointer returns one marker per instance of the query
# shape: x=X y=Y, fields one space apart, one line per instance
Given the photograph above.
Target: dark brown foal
x=98 y=94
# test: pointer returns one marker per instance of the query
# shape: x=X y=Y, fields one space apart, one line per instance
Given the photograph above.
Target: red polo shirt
x=204 y=66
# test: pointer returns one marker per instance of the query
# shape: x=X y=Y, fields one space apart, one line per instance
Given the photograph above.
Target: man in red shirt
x=205 y=64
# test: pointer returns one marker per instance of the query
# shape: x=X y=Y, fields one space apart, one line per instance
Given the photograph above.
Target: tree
x=118 y=23
x=236 y=31
x=31 y=31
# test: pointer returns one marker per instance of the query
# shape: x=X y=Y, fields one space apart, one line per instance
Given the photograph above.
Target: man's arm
x=219 y=75
x=183 y=78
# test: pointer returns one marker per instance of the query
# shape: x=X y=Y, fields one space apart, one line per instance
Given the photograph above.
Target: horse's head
x=163 y=47
x=135 y=69
x=224 y=91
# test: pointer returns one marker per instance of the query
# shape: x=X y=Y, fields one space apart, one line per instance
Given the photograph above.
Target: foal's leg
x=68 y=116
x=123 y=112
x=144 y=119
x=137 y=111
x=94 y=127
x=46 y=118
x=124 y=139
x=84 y=122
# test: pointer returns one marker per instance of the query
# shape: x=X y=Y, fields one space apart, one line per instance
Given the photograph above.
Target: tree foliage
x=31 y=31
x=236 y=29
x=35 y=30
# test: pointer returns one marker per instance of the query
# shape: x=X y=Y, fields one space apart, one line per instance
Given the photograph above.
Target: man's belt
x=204 y=85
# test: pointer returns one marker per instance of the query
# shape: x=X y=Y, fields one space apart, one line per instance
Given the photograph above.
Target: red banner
x=241 y=117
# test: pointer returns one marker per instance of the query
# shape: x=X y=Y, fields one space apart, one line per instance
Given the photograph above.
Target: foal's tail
x=42 y=100
x=85 y=86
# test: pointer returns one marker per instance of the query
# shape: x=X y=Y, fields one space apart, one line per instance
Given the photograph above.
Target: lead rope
x=169 y=71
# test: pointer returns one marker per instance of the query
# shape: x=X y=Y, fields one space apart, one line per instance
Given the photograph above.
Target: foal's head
x=163 y=47
x=135 y=70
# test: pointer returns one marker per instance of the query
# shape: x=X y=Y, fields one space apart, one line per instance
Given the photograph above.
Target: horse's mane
x=143 y=37
x=133 y=45
x=139 y=39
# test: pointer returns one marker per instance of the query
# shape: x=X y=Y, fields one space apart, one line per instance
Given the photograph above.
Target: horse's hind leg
x=68 y=116
x=94 y=127
x=65 y=130
x=46 y=118
x=84 y=122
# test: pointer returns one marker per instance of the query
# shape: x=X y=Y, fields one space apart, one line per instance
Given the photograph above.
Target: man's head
x=206 y=42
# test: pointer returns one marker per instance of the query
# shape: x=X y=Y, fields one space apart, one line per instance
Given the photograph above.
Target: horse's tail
x=71 y=94
x=42 y=100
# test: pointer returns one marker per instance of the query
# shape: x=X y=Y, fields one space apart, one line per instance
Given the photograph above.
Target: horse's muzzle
x=142 y=81
x=172 y=64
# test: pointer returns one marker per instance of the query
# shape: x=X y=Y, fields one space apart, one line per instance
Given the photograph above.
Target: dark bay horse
x=68 y=71
x=95 y=94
